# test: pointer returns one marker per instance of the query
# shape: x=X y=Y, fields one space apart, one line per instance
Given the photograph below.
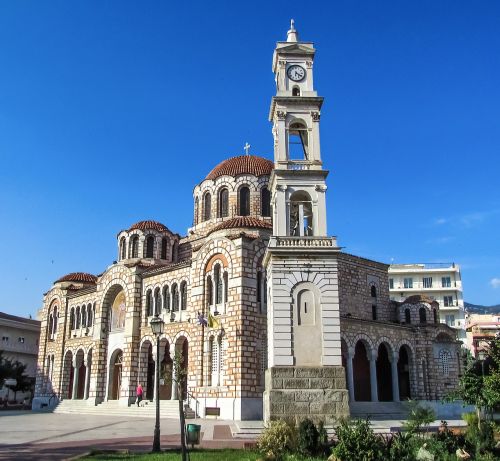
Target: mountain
x=478 y=309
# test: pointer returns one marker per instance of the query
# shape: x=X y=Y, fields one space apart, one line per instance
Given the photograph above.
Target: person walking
x=139 y=393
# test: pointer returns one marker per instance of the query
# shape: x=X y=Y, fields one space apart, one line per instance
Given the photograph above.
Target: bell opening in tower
x=301 y=215
x=298 y=142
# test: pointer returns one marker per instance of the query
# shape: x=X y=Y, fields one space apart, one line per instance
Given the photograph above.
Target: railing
x=420 y=266
x=303 y=242
x=190 y=397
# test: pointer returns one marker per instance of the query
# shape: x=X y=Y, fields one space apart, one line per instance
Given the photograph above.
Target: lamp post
x=157 y=328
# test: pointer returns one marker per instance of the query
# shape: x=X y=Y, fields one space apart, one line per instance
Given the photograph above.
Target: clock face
x=296 y=73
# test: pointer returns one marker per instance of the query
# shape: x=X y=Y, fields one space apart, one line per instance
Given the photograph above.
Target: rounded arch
x=385 y=340
x=210 y=249
x=223 y=202
x=367 y=341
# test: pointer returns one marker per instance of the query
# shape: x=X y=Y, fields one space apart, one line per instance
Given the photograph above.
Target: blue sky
x=111 y=112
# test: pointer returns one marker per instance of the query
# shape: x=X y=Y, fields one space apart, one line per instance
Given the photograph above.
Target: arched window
x=166 y=298
x=225 y=286
x=183 y=296
x=422 y=315
x=134 y=246
x=209 y=291
x=84 y=316
x=218 y=284
x=265 y=202
x=407 y=316
x=72 y=319
x=175 y=298
x=196 y=210
x=150 y=245
x=90 y=318
x=435 y=315
x=50 y=325
x=207 y=206
x=444 y=359
x=149 y=303
x=373 y=291
x=78 y=318
x=296 y=91
x=301 y=216
x=163 y=248
x=223 y=205
x=123 y=248
x=55 y=320
x=157 y=302
x=216 y=360
x=298 y=143
x=244 y=199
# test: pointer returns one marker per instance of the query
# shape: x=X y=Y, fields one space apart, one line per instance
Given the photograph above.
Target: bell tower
x=305 y=376
x=299 y=179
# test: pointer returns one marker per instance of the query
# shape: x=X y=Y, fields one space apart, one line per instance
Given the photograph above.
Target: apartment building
x=439 y=281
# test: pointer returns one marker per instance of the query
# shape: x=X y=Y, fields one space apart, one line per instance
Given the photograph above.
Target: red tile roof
x=147 y=225
x=243 y=221
x=244 y=164
x=78 y=277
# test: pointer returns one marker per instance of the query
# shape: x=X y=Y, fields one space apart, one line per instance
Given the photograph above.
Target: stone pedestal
x=296 y=393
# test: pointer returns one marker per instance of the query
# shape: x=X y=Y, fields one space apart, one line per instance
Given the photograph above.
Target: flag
x=213 y=322
x=202 y=320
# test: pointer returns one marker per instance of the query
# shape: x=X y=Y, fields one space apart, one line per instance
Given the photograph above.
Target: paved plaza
x=55 y=436
x=48 y=436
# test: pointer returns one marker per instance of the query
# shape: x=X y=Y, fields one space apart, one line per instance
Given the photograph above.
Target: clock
x=296 y=73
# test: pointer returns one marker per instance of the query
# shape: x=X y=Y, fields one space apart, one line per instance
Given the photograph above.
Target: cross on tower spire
x=247 y=148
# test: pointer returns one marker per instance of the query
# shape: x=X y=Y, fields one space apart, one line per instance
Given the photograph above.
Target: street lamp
x=157 y=328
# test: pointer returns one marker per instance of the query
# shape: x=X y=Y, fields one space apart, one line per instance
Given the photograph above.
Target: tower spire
x=292 y=35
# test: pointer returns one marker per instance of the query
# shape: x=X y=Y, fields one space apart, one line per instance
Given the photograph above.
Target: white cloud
x=440 y=221
x=495 y=282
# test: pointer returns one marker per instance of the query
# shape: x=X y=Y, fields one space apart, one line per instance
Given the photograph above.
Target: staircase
x=379 y=410
x=168 y=409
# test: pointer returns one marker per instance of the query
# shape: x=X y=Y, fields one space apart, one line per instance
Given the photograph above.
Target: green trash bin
x=193 y=434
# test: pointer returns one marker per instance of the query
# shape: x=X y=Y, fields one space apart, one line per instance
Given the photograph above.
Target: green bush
x=480 y=441
x=418 y=417
x=307 y=438
x=450 y=441
x=278 y=439
x=356 y=441
x=323 y=447
x=401 y=447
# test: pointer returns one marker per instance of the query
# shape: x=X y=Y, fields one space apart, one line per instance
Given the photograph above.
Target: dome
x=243 y=164
x=148 y=225
x=78 y=277
x=243 y=221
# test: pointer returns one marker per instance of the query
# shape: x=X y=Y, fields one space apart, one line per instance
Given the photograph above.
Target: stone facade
x=270 y=317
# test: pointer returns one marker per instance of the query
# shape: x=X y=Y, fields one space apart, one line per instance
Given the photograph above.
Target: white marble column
x=75 y=380
x=395 y=378
x=174 y=374
x=373 y=377
x=349 y=372
x=87 y=380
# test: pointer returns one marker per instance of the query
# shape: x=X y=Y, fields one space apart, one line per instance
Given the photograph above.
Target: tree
x=181 y=373
x=5 y=369
x=480 y=382
x=23 y=383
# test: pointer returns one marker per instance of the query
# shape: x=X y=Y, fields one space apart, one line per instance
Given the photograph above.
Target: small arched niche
x=307 y=331
x=301 y=215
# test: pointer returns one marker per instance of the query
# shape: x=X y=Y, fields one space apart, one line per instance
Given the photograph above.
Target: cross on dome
x=247 y=148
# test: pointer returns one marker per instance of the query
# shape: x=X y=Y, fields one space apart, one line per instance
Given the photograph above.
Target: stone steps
x=168 y=409
x=379 y=410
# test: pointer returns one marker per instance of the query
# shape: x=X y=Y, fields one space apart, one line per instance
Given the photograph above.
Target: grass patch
x=175 y=455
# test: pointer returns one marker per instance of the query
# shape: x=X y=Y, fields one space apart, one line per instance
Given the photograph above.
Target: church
x=271 y=318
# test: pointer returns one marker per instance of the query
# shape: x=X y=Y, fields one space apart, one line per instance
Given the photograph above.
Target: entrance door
x=81 y=382
x=117 y=377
